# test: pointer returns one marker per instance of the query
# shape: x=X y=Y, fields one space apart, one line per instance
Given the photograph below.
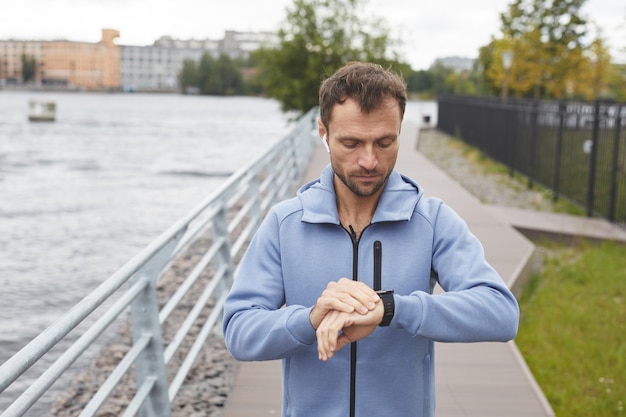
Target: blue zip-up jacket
x=301 y=246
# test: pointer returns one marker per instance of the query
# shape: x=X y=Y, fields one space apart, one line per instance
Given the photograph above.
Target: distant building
x=81 y=65
x=241 y=44
x=456 y=63
x=204 y=44
x=108 y=66
x=154 y=68
x=11 y=53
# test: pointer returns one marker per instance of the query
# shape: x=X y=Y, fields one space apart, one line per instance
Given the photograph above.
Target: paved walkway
x=473 y=380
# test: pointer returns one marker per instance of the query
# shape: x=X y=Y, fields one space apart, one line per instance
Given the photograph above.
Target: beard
x=359 y=190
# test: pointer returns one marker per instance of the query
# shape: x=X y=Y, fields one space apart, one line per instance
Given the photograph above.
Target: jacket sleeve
x=476 y=306
x=256 y=324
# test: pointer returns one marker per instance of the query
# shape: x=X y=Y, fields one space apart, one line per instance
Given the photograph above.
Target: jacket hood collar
x=397 y=202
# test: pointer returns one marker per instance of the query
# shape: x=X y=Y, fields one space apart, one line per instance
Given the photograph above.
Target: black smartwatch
x=386 y=297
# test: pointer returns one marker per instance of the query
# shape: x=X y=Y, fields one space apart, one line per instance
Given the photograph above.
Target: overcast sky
x=429 y=29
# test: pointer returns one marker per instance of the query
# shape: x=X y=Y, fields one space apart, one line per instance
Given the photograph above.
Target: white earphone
x=325 y=142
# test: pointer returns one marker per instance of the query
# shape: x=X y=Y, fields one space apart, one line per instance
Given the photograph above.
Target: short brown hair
x=369 y=84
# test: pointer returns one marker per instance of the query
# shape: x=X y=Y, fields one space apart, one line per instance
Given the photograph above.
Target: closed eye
x=385 y=142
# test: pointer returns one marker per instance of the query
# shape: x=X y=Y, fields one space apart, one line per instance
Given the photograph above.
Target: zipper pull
x=353 y=233
x=378 y=259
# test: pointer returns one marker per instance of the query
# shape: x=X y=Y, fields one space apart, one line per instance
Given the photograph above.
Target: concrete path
x=473 y=380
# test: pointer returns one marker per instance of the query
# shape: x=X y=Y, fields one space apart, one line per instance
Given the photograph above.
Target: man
x=305 y=291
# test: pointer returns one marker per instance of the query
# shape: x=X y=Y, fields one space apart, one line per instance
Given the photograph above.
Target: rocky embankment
x=205 y=389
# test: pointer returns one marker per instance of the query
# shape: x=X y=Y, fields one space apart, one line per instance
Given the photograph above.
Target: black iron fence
x=578 y=150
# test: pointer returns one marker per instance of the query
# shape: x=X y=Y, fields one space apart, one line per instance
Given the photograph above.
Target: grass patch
x=573 y=329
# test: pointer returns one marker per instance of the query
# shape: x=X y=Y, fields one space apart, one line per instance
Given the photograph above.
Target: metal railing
x=578 y=150
x=212 y=237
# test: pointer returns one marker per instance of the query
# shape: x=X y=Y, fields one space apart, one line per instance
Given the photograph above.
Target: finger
x=326 y=337
x=356 y=288
x=330 y=301
x=327 y=334
x=367 y=297
x=325 y=343
x=332 y=334
x=342 y=341
x=323 y=306
x=344 y=296
x=354 y=295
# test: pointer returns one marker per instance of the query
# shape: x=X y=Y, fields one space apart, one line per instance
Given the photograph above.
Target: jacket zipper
x=355 y=277
x=377 y=285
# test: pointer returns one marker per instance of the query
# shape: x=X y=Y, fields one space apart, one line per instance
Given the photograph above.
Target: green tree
x=440 y=76
x=594 y=73
x=440 y=79
x=228 y=75
x=207 y=79
x=617 y=82
x=546 y=37
x=603 y=77
x=188 y=76
x=486 y=57
x=221 y=76
x=29 y=68
x=318 y=37
x=618 y=75
x=420 y=81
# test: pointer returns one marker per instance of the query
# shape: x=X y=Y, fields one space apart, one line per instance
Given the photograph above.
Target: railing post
x=510 y=140
x=272 y=172
x=294 y=174
x=615 y=163
x=556 y=178
x=256 y=213
x=223 y=256
x=532 y=152
x=150 y=365
x=592 y=162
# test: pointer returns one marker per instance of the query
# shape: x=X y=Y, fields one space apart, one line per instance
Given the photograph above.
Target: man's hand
x=339 y=328
x=345 y=296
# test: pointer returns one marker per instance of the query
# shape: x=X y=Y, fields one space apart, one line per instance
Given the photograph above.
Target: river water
x=80 y=196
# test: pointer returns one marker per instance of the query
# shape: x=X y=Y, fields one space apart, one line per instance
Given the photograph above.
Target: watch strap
x=386 y=296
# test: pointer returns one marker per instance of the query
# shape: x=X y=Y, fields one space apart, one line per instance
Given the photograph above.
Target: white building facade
x=156 y=67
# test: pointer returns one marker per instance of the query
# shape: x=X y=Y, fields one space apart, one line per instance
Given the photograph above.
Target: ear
x=323 y=134
x=321 y=129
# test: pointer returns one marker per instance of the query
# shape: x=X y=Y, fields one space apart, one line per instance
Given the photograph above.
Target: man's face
x=363 y=146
